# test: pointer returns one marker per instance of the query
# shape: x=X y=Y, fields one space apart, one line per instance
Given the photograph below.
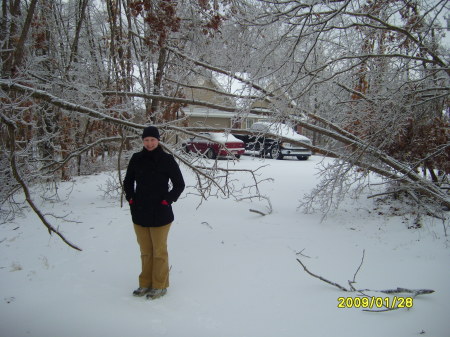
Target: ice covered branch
x=9 y=85
x=400 y=172
x=15 y=171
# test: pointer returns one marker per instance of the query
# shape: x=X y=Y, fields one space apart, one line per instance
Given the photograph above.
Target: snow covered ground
x=234 y=273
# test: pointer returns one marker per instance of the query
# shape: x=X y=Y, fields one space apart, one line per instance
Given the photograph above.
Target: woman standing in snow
x=146 y=188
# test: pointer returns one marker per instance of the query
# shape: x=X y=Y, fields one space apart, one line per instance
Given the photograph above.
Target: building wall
x=202 y=116
x=207 y=95
x=207 y=118
x=210 y=122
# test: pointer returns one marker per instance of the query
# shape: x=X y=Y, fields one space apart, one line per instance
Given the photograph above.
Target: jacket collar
x=155 y=154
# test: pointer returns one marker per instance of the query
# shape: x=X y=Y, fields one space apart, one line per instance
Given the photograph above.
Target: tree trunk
x=19 y=49
x=158 y=82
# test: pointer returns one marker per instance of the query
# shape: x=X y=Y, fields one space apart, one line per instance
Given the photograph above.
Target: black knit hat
x=150 y=131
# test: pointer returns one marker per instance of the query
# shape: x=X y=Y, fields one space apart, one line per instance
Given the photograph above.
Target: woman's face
x=150 y=143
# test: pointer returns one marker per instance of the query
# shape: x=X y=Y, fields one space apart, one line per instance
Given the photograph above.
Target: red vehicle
x=215 y=144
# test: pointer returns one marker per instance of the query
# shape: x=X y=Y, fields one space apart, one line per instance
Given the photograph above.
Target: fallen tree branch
x=59 y=164
x=398 y=290
x=258 y=212
x=26 y=191
x=356 y=272
x=322 y=278
x=401 y=172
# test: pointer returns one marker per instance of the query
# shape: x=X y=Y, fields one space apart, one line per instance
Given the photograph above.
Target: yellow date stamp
x=371 y=302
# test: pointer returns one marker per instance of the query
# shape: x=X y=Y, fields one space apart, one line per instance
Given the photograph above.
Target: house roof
x=224 y=83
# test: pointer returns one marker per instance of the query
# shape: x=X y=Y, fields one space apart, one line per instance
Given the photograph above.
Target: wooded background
x=367 y=80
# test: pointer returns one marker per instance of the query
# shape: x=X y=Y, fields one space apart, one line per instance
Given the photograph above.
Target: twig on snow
x=357 y=270
x=398 y=290
x=322 y=278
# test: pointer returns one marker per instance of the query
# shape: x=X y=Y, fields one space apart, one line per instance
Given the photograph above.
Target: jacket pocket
x=164 y=214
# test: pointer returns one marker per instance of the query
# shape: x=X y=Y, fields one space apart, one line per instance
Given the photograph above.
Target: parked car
x=261 y=144
x=215 y=144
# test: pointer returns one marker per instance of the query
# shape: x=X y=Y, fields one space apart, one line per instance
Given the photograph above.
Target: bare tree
x=369 y=78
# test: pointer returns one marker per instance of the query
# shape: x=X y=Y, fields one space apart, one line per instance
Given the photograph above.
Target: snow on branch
x=12 y=138
x=56 y=101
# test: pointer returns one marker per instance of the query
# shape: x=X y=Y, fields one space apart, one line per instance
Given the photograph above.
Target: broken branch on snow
x=398 y=290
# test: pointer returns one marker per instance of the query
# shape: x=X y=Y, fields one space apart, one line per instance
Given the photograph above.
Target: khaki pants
x=155 y=259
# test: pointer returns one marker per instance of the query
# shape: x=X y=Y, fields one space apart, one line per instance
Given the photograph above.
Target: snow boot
x=141 y=291
x=156 y=293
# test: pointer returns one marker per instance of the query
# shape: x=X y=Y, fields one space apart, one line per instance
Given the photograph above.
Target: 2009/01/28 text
x=371 y=302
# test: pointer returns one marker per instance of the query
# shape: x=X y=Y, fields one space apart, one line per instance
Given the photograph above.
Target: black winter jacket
x=147 y=184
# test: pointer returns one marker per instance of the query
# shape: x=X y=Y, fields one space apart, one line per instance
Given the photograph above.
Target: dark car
x=260 y=144
x=215 y=144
